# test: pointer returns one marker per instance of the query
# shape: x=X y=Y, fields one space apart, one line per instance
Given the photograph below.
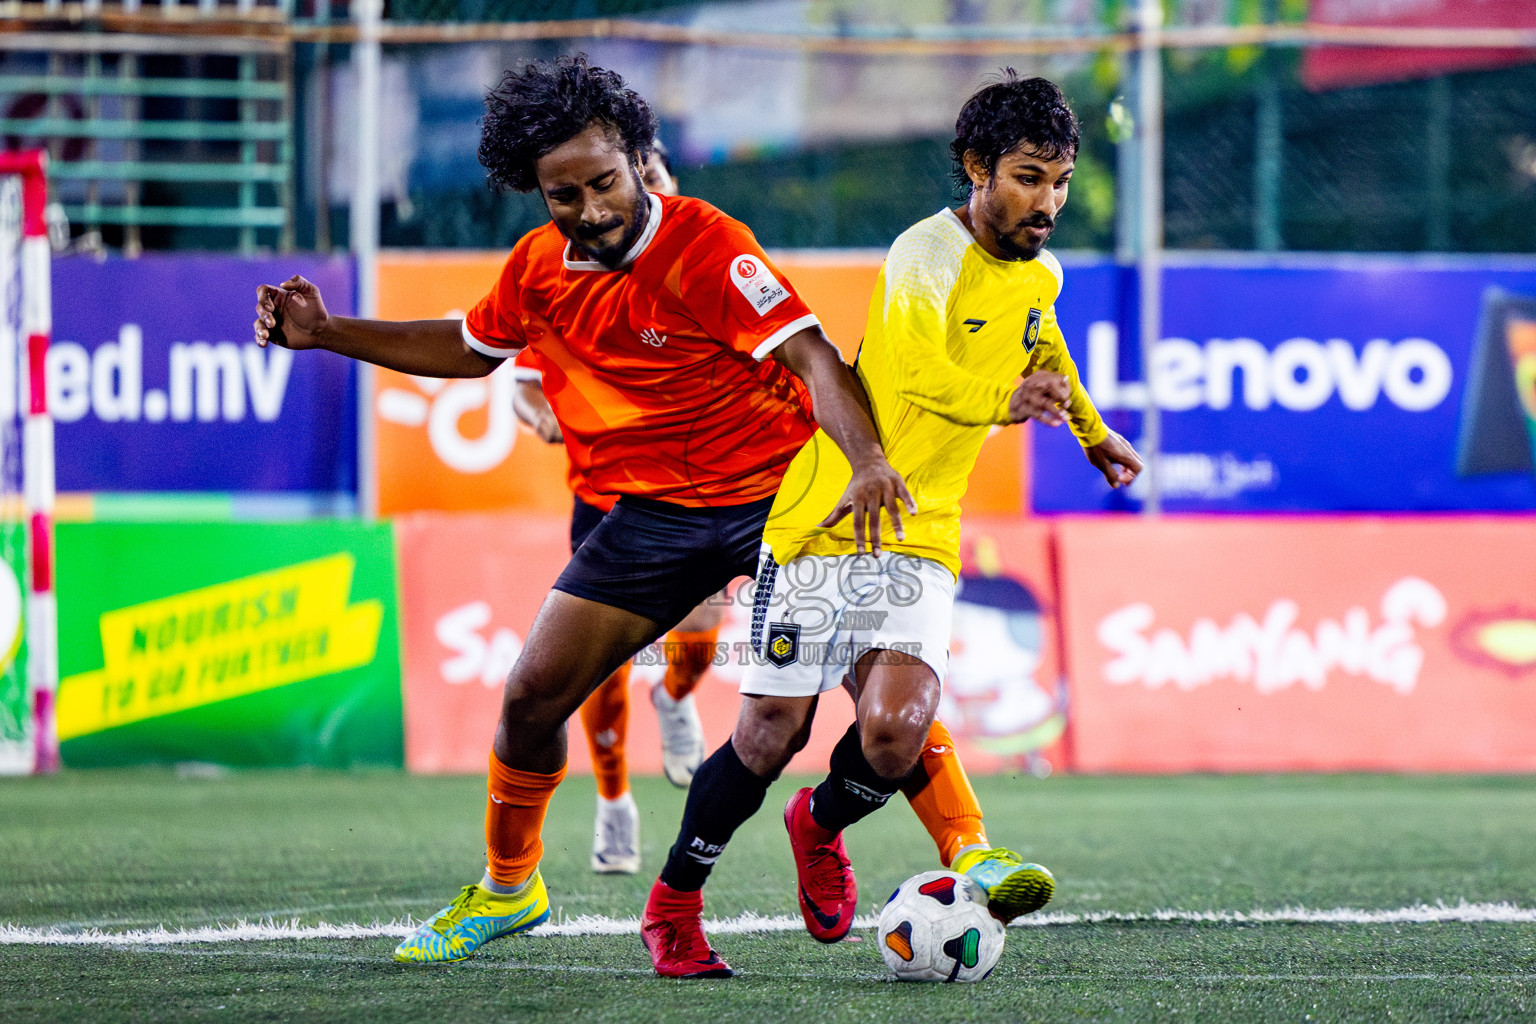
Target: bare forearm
x=842 y=409
x=424 y=348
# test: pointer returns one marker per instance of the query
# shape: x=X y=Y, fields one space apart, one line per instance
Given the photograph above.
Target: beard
x=611 y=256
x=1018 y=243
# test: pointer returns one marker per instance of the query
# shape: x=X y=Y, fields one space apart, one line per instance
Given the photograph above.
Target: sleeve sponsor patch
x=756 y=282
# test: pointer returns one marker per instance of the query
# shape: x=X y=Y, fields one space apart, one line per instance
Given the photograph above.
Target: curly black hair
x=1009 y=114
x=544 y=104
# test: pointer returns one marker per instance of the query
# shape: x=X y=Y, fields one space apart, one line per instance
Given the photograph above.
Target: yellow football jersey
x=950 y=331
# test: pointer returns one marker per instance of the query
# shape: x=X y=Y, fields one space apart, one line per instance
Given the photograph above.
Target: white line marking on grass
x=750 y=923
x=1422 y=913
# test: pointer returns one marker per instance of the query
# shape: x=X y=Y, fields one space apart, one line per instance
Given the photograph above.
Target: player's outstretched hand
x=291 y=314
x=1116 y=459
x=1043 y=396
x=875 y=486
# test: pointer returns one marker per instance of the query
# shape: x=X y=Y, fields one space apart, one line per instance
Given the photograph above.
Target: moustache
x=591 y=231
x=1039 y=220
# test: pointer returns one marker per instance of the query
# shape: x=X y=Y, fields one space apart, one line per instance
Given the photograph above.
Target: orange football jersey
x=658 y=371
x=526 y=366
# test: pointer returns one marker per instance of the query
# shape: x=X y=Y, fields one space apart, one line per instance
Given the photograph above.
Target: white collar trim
x=652 y=224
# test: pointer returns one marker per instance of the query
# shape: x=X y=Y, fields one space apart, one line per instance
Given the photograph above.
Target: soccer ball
x=936 y=927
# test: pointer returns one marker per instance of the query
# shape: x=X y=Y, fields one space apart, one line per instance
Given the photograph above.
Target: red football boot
x=828 y=892
x=673 y=932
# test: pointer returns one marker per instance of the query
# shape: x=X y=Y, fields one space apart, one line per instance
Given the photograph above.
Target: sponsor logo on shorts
x=783 y=644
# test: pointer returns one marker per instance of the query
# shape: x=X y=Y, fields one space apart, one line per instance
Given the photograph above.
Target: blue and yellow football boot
x=1014 y=887
x=476 y=917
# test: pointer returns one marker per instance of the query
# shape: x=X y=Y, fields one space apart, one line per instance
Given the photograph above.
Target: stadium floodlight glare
x=28 y=738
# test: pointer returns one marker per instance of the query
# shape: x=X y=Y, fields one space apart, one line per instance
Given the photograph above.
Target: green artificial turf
x=117 y=851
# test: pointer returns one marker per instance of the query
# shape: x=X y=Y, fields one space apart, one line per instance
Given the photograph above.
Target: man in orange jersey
x=684 y=368
x=690 y=645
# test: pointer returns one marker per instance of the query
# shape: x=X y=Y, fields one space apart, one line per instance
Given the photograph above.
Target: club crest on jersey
x=1032 y=330
x=756 y=283
x=783 y=644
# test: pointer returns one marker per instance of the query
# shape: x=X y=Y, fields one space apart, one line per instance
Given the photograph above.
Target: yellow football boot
x=476 y=917
x=1014 y=887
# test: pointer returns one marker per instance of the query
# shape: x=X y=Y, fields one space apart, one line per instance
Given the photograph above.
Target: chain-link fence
x=1447 y=163
x=826 y=122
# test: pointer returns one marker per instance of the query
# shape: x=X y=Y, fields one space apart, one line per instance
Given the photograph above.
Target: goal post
x=28 y=613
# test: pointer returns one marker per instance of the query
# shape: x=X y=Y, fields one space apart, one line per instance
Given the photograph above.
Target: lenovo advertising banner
x=156 y=384
x=231 y=643
x=472 y=584
x=1354 y=384
x=1214 y=644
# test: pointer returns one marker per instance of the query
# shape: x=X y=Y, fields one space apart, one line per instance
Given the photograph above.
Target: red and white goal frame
x=40 y=614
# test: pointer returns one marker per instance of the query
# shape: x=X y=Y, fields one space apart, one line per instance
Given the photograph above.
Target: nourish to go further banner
x=1205 y=644
x=244 y=644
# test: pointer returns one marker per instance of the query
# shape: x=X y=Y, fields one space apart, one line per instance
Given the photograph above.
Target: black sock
x=724 y=794
x=852 y=789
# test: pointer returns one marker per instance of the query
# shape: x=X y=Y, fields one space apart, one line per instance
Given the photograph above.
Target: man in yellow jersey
x=963 y=307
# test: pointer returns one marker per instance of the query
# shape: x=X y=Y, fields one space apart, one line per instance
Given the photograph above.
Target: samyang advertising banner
x=1364 y=384
x=1301 y=644
x=156 y=383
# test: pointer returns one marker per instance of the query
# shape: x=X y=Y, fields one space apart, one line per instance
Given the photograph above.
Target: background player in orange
x=685 y=371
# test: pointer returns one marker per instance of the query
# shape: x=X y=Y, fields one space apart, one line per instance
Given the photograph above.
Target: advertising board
x=229 y=643
x=1282 y=644
x=472 y=584
x=1295 y=385
x=156 y=383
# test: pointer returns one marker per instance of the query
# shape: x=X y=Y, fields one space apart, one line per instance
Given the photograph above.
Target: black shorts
x=584 y=519
x=660 y=560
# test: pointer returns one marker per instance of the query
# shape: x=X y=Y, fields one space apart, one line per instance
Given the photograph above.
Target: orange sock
x=605 y=715
x=689 y=656
x=943 y=798
x=514 y=817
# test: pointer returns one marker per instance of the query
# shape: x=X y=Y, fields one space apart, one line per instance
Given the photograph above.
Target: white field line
x=749 y=923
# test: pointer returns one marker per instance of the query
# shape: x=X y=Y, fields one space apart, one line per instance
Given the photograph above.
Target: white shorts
x=813 y=618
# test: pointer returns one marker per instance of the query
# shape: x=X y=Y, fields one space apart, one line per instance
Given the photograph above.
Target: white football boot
x=682 y=736
x=616 y=836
